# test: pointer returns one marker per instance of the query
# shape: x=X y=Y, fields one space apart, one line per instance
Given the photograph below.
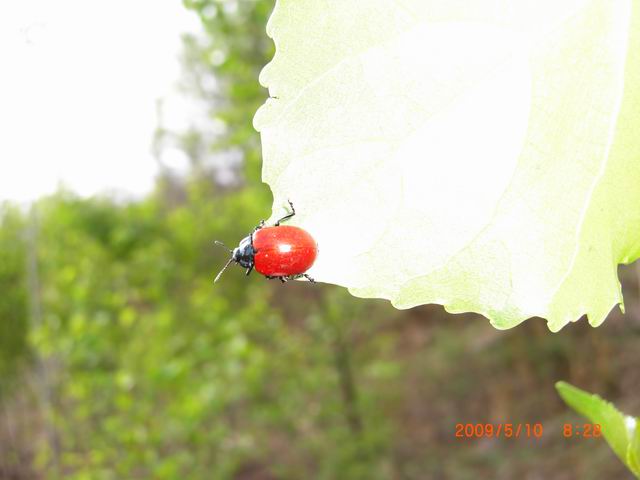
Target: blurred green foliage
x=13 y=299
x=121 y=360
x=152 y=361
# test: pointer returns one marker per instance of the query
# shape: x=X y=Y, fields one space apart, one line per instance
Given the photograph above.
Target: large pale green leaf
x=621 y=432
x=480 y=155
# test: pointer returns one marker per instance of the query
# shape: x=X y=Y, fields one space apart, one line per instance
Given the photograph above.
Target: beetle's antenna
x=223 y=269
x=217 y=242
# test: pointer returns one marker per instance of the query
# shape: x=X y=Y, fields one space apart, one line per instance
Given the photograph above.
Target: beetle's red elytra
x=284 y=252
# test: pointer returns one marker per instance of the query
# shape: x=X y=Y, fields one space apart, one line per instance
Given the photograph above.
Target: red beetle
x=281 y=251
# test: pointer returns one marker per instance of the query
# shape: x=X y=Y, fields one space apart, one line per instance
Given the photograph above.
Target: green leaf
x=484 y=158
x=633 y=453
x=615 y=427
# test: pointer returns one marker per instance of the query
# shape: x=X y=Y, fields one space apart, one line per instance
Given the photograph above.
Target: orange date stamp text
x=499 y=430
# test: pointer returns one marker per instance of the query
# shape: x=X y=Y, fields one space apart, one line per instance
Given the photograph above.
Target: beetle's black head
x=243 y=255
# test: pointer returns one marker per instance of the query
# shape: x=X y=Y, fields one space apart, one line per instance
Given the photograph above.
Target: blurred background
x=119 y=359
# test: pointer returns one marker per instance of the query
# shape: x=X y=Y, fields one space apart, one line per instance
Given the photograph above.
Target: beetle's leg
x=251 y=236
x=259 y=226
x=283 y=279
x=287 y=217
x=308 y=278
x=249 y=270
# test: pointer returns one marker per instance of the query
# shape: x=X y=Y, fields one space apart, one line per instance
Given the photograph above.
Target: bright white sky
x=79 y=81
